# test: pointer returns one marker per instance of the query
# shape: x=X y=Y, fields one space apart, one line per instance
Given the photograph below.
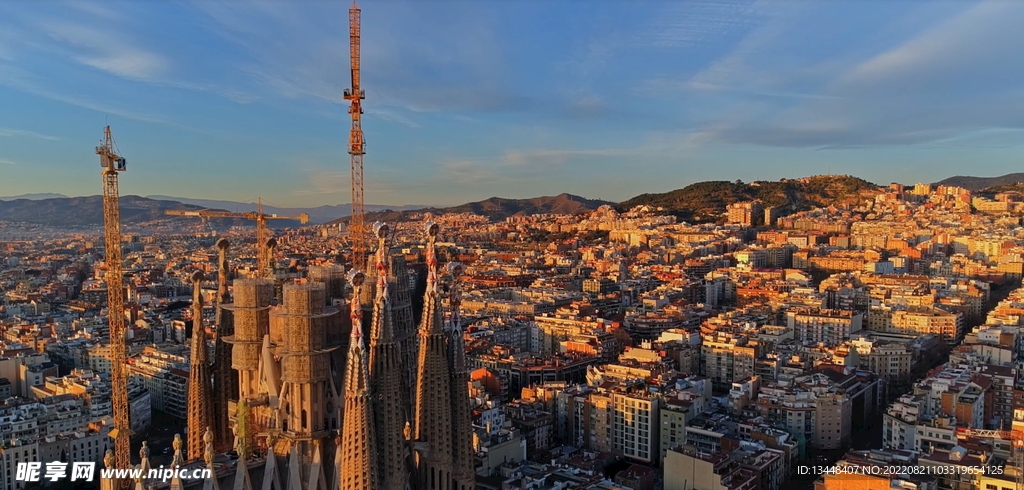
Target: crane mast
x=112 y=164
x=356 y=146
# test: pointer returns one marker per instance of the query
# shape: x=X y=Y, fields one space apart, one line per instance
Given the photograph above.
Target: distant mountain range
x=498 y=208
x=26 y=211
x=982 y=183
x=317 y=215
x=701 y=201
x=84 y=211
x=88 y=211
x=34 y=197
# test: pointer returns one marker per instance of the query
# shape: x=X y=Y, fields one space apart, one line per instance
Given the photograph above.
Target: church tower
x=358 y=466
x=386 y=375
x=462 y=430
x=433 y=414
x=200 y=393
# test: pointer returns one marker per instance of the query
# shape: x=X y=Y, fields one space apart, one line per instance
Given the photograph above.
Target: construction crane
x=264 y=249
x=356 y=146
x=113 y=164
x=1016 y=438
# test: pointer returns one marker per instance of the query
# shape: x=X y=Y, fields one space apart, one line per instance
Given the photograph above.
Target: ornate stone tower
x=251 y=312
x=200 y=393
x=308 y=395
x=433 y=415
x=462 y=420
x=251 y=315
x=402 y=321
x=358 y=466
x=225 y=381
x=387 y=376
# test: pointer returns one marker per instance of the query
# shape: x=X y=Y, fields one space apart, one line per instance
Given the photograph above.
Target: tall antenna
x=356 y=148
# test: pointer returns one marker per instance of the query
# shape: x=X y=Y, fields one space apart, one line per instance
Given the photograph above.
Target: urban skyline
x=505 y=99
x=781 y=323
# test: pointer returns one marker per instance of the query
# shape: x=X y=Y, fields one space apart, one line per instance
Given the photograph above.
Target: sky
x=466 y=99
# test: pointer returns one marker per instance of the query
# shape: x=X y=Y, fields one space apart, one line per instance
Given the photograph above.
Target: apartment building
x=635 y=431
x=830 y=327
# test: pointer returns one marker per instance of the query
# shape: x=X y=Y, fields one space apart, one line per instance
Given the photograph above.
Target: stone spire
x=142 y=478
x=177 y=462
x=108 y=463
x=433 y=427
x=271 y=471
x=200 y=410
x=386 y=375
x=359 y=443
x=208 y=453
x=462 y=419
x=243 y=441
x=225 y=381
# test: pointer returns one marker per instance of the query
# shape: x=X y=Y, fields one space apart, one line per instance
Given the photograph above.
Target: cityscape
x=822 y=331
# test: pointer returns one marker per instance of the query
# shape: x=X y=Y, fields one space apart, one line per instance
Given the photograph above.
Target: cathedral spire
x=433 y=427
x=359 y=444
x=386 y=375
x=462 y=432
x=225 y=381
x=200 y=410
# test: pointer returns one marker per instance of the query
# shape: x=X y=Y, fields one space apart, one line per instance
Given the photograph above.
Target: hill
x=981 y=183
x=992 y=191
x=706 y=201
x=88 y=211
x=498 y=208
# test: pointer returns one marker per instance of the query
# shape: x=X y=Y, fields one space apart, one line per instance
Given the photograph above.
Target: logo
x=55 y=470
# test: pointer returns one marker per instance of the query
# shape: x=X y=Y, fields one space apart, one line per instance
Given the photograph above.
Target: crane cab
x=120 y=164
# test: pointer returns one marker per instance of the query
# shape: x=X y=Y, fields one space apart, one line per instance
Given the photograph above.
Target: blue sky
x=513 y=98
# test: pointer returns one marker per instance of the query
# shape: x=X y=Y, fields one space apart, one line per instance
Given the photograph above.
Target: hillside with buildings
x=704 y=201
x=499 y=208
x=981 y=183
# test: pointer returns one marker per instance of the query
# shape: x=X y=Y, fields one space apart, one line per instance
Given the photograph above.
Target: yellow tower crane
x=356 y=147
x=264 y=252
x=113 y=164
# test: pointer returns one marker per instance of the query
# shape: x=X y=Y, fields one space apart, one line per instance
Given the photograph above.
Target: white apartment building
x=635 y=426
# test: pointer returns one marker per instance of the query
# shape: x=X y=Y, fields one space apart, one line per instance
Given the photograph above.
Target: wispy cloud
x=115 y=49
x=18 y=79
x=520 y=165
x=660 y=87
x=692 y=23
x=297 y=53
x=8 y=162
x=766 y=21
x=34 y=87
x=949 y=79
x=10 y=132
x=392 y=116
x=468 y=172
x=106 y=50
x=338 y=183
